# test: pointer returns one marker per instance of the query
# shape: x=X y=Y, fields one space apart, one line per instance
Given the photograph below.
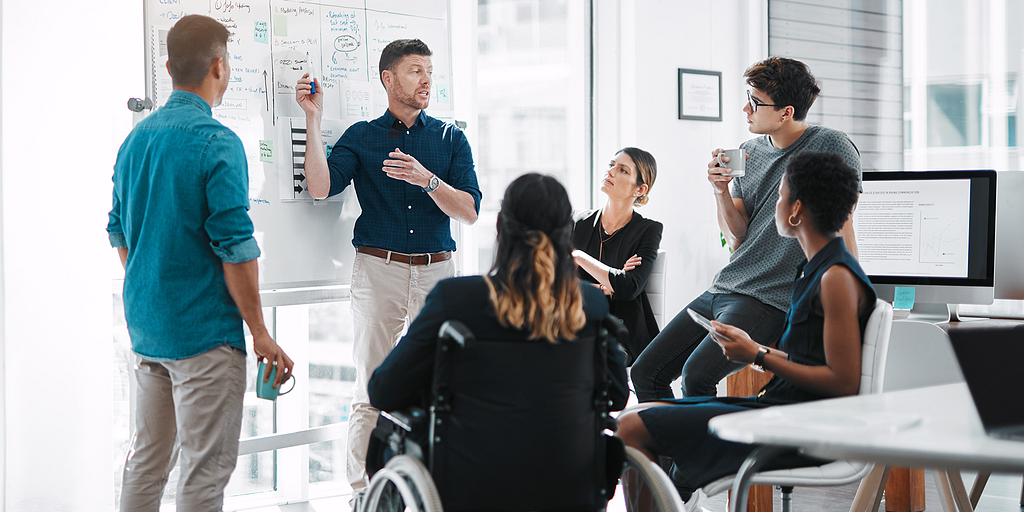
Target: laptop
x=990 y=359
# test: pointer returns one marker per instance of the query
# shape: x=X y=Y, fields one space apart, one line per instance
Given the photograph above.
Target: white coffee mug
x=737 y=163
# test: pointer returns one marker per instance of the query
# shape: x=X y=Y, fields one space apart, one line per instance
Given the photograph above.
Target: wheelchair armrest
x=407 y=419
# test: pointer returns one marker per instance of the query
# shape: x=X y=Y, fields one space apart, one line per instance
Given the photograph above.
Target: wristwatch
x=435 y=182
x=758 y=363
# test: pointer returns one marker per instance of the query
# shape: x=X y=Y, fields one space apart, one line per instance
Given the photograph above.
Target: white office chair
x=873 y=365
x=657 y=287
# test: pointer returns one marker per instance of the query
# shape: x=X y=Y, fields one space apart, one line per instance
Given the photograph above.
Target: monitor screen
x=933 y=231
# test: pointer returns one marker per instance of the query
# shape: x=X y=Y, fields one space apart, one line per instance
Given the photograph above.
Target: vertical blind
x=855 y=50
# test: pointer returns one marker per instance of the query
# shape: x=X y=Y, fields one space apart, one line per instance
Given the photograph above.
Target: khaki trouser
x=192 y=406
x=385 y=296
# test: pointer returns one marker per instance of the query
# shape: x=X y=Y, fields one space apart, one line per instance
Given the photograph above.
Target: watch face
x=435 y=182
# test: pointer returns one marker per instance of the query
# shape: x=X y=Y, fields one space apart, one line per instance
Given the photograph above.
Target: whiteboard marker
x=312 y=81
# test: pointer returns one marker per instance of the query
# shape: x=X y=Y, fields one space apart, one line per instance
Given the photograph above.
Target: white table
x=934 y=427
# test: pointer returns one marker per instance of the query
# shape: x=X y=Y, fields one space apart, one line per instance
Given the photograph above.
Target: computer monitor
x=1010 y=236
x=931 y=231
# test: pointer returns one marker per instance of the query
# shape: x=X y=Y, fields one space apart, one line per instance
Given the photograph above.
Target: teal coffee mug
x=266 y=389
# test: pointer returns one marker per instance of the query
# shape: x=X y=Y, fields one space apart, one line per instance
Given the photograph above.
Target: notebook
x=990 y=359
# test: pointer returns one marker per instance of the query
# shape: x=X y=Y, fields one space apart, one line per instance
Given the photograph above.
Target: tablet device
x=705 y=323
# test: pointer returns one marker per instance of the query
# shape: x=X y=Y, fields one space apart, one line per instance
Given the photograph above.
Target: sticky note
x=904 y=298
x=266 y=151
x=281 y=25
x=262 y=34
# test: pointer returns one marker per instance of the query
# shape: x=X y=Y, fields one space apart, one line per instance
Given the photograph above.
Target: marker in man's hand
x=312 y=81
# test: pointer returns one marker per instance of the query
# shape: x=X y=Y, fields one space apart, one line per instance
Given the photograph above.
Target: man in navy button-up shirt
x=412 y=174
x=180 y=224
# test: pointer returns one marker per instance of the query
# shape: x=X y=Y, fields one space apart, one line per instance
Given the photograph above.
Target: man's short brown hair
x=193 y=44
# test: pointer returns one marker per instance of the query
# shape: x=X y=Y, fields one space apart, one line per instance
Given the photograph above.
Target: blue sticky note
x=904 y=298
x=262 y=33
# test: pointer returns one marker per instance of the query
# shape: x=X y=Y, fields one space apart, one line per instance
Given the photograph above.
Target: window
x=531 y=100
x=962 y=68
x=854 y=50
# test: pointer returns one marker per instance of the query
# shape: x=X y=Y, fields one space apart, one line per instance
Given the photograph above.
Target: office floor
x=1001 y=495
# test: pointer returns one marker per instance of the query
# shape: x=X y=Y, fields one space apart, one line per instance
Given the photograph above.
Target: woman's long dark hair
x=533 y=282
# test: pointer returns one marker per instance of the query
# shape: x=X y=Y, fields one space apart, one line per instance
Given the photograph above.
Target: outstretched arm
x=318 y=178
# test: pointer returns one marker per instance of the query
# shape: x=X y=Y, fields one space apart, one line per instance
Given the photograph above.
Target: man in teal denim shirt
x=181 y=226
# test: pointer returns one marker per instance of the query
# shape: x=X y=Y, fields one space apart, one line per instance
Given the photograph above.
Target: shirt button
x=410 y=231
x=407 y=132
x=410 y=207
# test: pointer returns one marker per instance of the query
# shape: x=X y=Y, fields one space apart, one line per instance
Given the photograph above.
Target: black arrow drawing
x=298 y=189
x=299 y=177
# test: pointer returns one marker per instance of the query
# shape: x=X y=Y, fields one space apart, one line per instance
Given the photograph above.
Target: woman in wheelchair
x=819 y=354
x=538 y=452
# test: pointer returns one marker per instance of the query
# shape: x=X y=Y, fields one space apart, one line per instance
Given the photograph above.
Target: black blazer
x=404 y=378
x=524 y=431
x=639 y=236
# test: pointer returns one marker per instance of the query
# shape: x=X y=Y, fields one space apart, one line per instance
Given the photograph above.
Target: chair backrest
x=875 y=348
x=920 y=355
x=657 y=287
x=523 y=431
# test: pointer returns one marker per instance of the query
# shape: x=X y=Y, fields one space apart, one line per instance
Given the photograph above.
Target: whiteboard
x=304 y=243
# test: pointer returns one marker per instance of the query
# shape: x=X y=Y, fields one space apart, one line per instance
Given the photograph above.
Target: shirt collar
x=833 y=247
x=190 y=98
x=391 y=121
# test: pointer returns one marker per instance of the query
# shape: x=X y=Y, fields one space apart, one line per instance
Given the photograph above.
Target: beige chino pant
x=385 y=296
x=193 y=407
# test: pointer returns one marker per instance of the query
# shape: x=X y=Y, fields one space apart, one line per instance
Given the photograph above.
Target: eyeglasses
x=754 y=103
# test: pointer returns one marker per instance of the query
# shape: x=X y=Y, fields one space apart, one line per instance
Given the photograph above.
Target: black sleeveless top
x=804 y=339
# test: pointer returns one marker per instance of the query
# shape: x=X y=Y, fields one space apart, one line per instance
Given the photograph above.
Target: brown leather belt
x=408 y=259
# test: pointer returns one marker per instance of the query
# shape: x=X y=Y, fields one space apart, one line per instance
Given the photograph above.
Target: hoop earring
x=791 y=221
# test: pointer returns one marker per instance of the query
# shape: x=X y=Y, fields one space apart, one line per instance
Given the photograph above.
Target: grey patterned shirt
x=764 y=265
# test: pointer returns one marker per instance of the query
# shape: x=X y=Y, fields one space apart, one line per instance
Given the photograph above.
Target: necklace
x=601 y=236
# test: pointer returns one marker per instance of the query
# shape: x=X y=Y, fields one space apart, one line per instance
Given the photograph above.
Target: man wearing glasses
x=753 y=290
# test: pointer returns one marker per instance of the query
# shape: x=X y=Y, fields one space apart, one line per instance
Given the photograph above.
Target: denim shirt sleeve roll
x=227 y=194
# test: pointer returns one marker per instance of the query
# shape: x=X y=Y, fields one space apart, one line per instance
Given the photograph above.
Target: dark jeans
x=685 y=348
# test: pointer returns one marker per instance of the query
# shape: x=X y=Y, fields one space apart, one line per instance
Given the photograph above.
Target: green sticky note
x=904 y=298
x=281 y=25
x=266 y=151
x=262 y=33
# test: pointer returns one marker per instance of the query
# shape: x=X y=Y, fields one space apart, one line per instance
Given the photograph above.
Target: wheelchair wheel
x=404 y=484
x=646 y=487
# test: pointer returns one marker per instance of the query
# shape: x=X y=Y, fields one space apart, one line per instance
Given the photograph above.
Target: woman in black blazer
x=616 y=247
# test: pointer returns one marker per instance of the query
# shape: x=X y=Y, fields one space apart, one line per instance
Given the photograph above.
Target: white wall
x=639 y=47
x=68 y=68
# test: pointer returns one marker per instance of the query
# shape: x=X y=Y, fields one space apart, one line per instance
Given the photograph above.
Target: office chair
x=492 y=405
x=657 y=287
x=873 y=366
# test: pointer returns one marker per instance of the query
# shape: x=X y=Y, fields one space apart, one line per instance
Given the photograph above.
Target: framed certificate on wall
x=700 y=95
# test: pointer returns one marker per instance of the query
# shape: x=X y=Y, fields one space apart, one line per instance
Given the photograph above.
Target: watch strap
x=762 y=351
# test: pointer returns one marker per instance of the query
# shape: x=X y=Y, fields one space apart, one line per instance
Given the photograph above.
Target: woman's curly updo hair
x=825 y=185
x=533 y=282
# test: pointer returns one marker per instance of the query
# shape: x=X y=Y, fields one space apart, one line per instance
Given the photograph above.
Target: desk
x=935 y=427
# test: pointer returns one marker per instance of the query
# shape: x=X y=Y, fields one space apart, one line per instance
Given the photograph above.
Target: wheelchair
x=447 y=456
